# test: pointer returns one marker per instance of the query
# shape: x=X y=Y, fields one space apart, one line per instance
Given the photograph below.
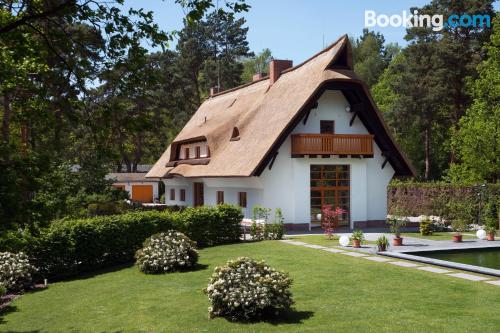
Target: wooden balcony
x=332 y=144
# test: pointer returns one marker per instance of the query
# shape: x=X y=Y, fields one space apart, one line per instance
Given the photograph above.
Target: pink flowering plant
x=245 y=289
x=330 y=219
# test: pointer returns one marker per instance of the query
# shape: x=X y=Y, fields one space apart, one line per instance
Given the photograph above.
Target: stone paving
x=368 y=253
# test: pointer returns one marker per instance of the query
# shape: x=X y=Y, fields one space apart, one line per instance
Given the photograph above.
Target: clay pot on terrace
x=397 y=241
x=356 y=243
x=491 y=236
x=457 y=238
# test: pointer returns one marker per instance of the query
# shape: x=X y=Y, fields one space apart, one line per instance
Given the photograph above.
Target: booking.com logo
x=436 y=22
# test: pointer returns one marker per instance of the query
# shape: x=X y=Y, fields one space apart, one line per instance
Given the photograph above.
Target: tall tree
x=427 y=87
x=258 y=64
x=210 y=53
x=477 y=141
x=371 y=56
x=460 y=49
x=51 y=56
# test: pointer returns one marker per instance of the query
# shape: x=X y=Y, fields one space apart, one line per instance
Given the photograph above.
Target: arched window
x=235 y=135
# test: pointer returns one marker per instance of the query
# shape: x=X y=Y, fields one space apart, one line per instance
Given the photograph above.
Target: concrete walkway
x=364 y=253
x=413 y=244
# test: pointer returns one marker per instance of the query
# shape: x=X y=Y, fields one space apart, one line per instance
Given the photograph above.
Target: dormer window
x=235 y=135
x=194 y=151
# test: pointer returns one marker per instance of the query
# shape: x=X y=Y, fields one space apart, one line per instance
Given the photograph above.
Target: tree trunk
x=6 y=118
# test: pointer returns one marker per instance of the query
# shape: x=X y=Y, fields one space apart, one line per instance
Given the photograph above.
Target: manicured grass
x=333 y=293
x=436 y=235
x=320 y=240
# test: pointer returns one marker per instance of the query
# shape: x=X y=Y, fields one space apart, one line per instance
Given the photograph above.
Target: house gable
x=265 y=115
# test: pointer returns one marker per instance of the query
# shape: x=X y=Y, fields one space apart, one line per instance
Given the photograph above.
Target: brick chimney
x=276 y=67
x=258 y=76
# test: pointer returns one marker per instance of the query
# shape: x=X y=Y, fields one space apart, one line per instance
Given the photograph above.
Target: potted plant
x=426 y=226
x=357 y=238
x=396 y=221
x=458 y=226
x=382 y=243
x=459 y=211
x=490 y=216
x=490 y=232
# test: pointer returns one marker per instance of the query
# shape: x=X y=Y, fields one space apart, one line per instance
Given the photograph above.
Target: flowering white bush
x=245 y=289
x=15 y=270
x=166 y=251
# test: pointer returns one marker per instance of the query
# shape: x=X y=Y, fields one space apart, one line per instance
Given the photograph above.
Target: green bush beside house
x=73 y=246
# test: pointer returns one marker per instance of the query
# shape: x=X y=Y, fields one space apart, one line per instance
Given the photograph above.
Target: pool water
x=489 y=257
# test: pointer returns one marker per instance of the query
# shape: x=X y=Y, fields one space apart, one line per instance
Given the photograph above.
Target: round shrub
x=245 y=289
x=15 y=270
x=166 y=252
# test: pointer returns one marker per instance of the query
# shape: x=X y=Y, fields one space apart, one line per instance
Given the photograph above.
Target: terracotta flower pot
x=491 y=236
x=457 y=238
x=356 y=243
x=397 y=241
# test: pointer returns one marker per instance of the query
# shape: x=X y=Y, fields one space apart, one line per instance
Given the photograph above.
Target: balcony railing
x=332 y=144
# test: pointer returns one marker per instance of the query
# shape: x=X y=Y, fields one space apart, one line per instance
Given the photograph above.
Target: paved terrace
x=413 y=244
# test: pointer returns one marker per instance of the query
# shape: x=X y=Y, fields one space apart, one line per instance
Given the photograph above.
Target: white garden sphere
x=318 y=217
x=344 y=240
x=481 y=234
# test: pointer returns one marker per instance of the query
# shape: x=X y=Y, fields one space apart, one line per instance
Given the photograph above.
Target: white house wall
x=231 y=187
x=287 y=184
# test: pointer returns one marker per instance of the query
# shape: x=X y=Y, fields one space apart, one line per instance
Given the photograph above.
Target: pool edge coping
x=443 y=263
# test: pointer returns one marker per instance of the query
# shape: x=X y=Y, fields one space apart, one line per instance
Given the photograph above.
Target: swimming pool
x=485 y=257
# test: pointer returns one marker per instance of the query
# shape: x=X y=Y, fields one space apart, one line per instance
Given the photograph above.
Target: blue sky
x=294 y=29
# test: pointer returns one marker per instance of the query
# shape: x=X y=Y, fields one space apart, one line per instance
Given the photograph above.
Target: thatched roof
x=265 y=114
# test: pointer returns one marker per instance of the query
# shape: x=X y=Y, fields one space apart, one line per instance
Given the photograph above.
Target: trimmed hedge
x=209 y=226
x=430 y=198
x=72 y=247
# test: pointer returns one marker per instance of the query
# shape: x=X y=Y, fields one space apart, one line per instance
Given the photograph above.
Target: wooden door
x=142 y=193
x=198 y=199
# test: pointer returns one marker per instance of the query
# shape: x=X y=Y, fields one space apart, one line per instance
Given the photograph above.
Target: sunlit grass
x=332 y=292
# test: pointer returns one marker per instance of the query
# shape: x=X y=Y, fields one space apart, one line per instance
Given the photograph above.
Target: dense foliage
x=16 y=271
x=245 y=289
x=264 y=229
x=209 y=226
x=477 y=141
x=424 y=94
x=78 y=86
x=3 y=290
x=415 y=199
x=166 y=252
x=73 y=246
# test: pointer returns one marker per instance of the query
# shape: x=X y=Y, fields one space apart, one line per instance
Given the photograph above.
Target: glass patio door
x=330 y=185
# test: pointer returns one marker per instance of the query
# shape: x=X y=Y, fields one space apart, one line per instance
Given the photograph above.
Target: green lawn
x=333 y=292
x=321 y=240
x=437 y=235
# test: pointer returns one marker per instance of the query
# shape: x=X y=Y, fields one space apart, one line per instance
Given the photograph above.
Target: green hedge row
x=72 y=247
x=431 y=198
